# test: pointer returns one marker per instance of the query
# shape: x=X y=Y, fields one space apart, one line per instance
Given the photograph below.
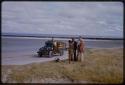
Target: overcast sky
x=83 y=18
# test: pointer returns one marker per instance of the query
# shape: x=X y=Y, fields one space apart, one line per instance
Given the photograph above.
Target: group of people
x=76 y=50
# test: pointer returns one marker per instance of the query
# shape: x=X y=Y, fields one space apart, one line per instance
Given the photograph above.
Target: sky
x=68 y=18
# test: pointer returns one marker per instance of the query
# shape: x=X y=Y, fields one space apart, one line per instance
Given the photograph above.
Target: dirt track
x=22 y=58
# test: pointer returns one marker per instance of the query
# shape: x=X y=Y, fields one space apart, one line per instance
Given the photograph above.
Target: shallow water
x=25 y=44
x=24 y=50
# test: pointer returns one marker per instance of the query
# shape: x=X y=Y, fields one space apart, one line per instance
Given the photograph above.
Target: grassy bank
x=99 y=66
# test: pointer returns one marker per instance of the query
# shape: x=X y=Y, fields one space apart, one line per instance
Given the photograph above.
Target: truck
x=52 y=48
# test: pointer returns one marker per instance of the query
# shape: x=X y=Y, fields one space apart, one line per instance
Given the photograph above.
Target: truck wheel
x=61 y=52
x=40 y=54
x=50 y=53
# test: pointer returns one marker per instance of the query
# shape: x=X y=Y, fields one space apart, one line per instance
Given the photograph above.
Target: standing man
x=70 y=51
x=74 y=49
x=81 y=48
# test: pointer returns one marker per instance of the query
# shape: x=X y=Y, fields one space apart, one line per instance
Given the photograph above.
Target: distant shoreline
x=57 y=38
x=19 y=36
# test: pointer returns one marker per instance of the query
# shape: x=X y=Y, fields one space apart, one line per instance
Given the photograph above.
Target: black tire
x=40 y=54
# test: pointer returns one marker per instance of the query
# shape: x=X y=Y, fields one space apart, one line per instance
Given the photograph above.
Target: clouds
x=87 y=18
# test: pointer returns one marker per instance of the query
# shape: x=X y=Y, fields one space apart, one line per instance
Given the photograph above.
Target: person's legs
x=69 y=56
x=74 y=55
x=81 y=57
x=78 y=56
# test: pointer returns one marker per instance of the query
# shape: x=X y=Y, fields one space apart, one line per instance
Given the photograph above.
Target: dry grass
x=100 y=66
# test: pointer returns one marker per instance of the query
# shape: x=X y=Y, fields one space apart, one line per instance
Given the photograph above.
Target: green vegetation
x=99 y=66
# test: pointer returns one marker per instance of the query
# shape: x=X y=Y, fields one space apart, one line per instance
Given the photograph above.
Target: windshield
x=49 y=44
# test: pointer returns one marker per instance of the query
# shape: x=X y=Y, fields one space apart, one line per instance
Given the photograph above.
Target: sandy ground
x=106 y=63
x=22 y=58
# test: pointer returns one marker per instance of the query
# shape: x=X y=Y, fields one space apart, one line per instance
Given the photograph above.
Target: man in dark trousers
x=74 y=49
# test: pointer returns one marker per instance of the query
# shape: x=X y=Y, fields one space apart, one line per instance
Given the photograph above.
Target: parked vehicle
x=52 y=48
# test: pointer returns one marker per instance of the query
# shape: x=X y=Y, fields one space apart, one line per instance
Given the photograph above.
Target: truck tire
x=50 y=53
x=40 y=54
x=61 y=52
